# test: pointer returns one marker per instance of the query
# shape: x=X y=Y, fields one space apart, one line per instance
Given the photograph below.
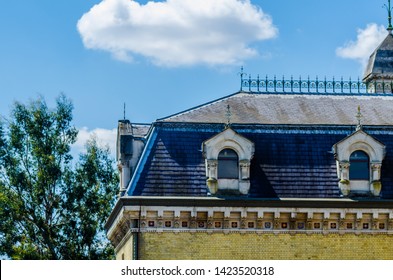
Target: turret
x=379 y=72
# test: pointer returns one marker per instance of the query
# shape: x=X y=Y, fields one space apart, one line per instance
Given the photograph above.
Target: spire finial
x=389 y=8
x=359 y=117
x=241 y=74
x=124 y=111
x=228 y=115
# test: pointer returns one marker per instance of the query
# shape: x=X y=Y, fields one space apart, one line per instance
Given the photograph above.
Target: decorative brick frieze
x=251 y=220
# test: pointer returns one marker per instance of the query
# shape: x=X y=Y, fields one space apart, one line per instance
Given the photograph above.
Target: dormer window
x=228 y=164
x=359 y=160
x=228 y=157
x=359 y=166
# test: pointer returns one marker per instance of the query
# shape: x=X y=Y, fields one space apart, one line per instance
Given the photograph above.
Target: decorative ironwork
x=317 y=86
x=241 y=77
x=228 y=115
x=389 y=9
x=359 y=117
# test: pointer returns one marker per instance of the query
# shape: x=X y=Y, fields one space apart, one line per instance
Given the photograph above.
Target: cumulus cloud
x=366 y=42
x=177 y=32
x=105 y=138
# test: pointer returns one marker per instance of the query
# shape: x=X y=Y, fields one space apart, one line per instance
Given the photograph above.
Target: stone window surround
x=244 y=148
x=359 y=141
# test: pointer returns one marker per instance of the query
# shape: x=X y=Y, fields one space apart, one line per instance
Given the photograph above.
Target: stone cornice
x=244 y=202
x=310 y=218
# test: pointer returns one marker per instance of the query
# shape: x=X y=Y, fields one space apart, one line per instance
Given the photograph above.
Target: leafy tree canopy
x=52 y=207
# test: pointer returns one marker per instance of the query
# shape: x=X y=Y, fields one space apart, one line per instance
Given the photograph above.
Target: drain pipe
x=137 y=235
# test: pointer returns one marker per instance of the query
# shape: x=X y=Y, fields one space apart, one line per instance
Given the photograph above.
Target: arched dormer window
x=227 y=159
x=359 y=160
x=228 y=164
x=359 y=166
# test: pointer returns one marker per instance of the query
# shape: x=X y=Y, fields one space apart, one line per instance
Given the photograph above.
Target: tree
x=50 y=206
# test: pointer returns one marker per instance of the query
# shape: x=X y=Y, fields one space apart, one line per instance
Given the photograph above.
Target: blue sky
x=162 y=58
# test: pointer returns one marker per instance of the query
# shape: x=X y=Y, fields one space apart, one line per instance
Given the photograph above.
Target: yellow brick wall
x=126 y=250
x=159 y=246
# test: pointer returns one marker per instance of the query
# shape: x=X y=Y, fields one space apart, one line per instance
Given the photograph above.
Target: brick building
x=282 y=169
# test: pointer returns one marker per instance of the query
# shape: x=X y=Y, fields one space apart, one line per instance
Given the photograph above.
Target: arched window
x=359 y=168
x=228 y=164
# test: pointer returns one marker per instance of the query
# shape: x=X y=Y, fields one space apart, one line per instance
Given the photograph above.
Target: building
x=282 y=169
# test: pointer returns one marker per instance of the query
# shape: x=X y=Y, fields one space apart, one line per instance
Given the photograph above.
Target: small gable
x=228 y=139
x=359 y=140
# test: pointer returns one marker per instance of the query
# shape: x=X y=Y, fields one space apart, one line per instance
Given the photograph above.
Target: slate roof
x=289 y=161
x=294 y=109
x=140 y=129
x=380 y=63
x=293 y=136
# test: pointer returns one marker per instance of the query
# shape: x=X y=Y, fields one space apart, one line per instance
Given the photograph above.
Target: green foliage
x=50 y=207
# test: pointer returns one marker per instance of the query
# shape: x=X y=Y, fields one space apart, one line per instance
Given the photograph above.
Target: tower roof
x=380 y=64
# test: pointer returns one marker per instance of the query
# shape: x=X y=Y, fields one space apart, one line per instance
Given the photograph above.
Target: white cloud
x=177 y=32
x=366 y=42
x=105 y=138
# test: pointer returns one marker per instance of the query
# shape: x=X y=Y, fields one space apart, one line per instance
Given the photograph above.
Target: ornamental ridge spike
x=359 y=117
x=228 y=115
x=124 y=112
x=389 y=9
x=241 y=74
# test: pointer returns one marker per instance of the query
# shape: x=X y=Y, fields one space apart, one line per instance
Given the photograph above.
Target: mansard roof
x=294 y=135
x=290 y=161
x=380 y=64
x=291 y=108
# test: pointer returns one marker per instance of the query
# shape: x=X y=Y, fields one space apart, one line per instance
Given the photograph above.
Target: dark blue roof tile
x=292 y=164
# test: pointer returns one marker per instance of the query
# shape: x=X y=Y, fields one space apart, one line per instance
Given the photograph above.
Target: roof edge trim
x=262 y=203
x=143 y=158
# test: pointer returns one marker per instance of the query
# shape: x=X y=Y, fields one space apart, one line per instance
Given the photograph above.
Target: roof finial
x=359 y=116
x=228 y=115
x=389 y=8
x=241 y=73
x=124 y=111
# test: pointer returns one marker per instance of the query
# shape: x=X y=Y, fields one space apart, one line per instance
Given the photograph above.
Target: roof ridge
x=288 y=108
x=199 y=106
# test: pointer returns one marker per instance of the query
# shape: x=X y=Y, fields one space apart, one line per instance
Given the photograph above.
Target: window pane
x=227 y=154
x=359 y=166
x=228 y=165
